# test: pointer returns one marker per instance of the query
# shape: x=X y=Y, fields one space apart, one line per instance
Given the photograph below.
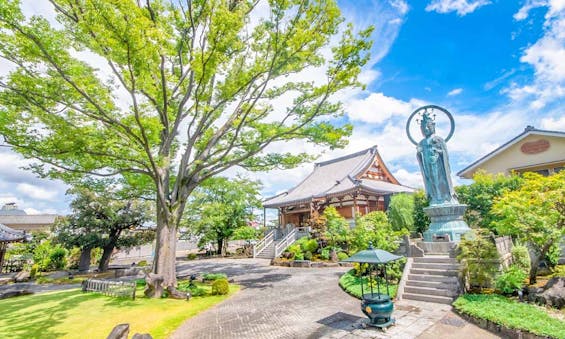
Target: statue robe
x=434 y=164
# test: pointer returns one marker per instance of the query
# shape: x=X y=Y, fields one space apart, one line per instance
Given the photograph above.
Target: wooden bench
x=110 y=288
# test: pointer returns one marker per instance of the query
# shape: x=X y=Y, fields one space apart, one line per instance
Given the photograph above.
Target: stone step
x=428 y=298
x=433 y=284
x=435 y=266
x=427 y=271
x=431 y=291
x=434 y=278
x=435 y=259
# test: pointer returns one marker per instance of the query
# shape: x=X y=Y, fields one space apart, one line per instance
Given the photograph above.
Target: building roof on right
x=532 y=150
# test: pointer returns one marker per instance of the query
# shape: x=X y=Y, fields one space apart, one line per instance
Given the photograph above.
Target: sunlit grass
x=74 y=314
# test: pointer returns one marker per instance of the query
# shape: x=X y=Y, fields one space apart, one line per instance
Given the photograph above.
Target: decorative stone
x=121 y=331
x=301 y=263
x=22 y=276
x=14 y=293
x=552 y=294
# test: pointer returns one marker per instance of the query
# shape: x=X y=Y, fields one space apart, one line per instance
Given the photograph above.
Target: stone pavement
x=283 y=302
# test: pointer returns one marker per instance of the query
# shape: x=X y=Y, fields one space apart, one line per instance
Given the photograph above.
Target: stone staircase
x=268 y=251
x=432 y=278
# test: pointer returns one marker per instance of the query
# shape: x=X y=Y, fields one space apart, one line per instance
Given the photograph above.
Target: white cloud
x=462 y=7
x=400 y=5
x=36 y=192
x=410 y=179
x=377 y=108
x=553 y=124
x=546 y=57
x=455 y=91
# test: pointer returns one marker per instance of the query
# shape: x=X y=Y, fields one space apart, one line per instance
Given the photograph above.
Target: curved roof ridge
x=348 y=156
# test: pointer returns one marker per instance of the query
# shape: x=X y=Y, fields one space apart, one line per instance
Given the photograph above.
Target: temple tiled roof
x=335 y=177
x=10 y=235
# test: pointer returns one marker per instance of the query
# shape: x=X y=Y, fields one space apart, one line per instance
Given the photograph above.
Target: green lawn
x=511 y=313
x=352 y=285
x=74 y=314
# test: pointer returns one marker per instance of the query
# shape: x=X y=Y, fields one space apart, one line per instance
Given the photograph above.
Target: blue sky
x=496 y=65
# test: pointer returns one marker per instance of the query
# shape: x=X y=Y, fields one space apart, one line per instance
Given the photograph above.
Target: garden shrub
x=57 y=258
x=558 y=271
x=325 y=254
x=191 y=256
x=33 y=271
x=220 y=287
x=299 y=256
x=521 y=258
x=479 y=260
x=214 y=276
x=73 y=258
x=310 y=246
x=308 y=255
x=511 y=280
x=342 y=256
x=142 y=263
x=197 y=291
x=295 y=249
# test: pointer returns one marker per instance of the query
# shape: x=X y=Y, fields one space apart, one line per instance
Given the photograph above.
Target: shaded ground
x=282 y=302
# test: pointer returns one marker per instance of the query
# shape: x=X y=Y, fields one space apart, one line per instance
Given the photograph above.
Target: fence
x=110 y=288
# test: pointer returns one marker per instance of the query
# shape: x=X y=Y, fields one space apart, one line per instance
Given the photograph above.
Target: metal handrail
x=285 y=242
x=263 y=243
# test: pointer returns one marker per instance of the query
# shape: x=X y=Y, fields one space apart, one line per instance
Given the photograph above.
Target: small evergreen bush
x=299 y=256
x=511 y=280
x=191 y=256
x=57 y=258
x=325 y=254
x=342 y=256
x=220 y=287
x=308 y=255
x=310 y=246
x=214 y=276
x=521 y=258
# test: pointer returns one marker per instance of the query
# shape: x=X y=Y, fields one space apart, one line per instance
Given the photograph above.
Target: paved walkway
x=282 y=302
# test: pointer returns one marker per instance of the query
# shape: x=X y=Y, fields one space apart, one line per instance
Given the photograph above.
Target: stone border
x=309 y=264
x=498 y=329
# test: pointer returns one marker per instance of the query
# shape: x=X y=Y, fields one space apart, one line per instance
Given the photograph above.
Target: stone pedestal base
x=446 y=220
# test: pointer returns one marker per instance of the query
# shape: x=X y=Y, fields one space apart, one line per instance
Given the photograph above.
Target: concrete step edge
x=428 y=298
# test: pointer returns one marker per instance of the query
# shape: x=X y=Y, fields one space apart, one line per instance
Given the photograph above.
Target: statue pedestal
x=446 y=220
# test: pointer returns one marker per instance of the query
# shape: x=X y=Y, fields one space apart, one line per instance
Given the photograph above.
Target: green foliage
x=311 y=245
x=245 y=233
x=201 y=82
x=558 y=271
x=99 y=220
x=510 y=313
x=191 y=256
x=214 y=276
x=33 y=271
x=222 y=206
x=58 y=258
x=482 y=193
x=374 y=228
x=401 y=212
x=351 y=283
x=325 y=253
x=295 y=249
x=479 y=259
x=421 y=219
x=307 y=255
x=142 y=263
x=337 y=228
x=299 y=256
x=511 y=280
x=521 y=257
x=220 y=287
x=342 y=256
x=534 y=213
x=553 y=254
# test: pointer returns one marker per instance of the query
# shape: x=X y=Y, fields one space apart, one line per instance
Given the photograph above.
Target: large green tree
x=165 y=94
x=481 y=194
x=535 y=214
x=98 y=220
x=401 y=212
x=219 y=207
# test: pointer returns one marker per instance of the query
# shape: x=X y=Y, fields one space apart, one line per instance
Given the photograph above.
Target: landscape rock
x=301 y=263
x=552 y=294
x=14 y=293
x=121 y=331
x=22 y=276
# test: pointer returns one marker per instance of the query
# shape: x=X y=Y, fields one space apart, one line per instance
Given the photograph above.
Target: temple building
x=355 y=184
x=13 y=217
x=534 y=150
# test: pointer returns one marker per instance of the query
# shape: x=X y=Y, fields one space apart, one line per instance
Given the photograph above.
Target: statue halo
x=424 y=109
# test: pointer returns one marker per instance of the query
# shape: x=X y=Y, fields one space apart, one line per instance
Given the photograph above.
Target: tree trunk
x=84 y=262
x=106 y=255
x=220 y=243
x=164 y=270
x=534 y=269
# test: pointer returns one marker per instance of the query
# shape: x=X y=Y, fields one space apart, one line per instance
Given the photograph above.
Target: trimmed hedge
x=352 y=285
x=511 y=314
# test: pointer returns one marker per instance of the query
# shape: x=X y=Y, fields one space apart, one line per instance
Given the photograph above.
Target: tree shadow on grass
x=24 y=317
